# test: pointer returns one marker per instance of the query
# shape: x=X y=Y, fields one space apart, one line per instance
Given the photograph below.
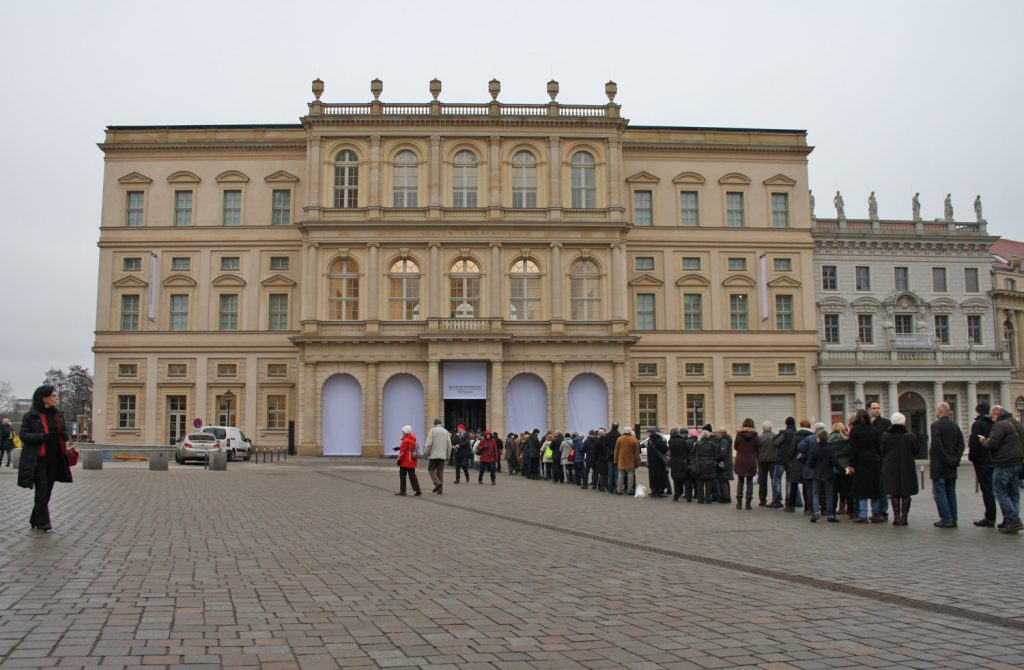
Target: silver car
x=194 y=447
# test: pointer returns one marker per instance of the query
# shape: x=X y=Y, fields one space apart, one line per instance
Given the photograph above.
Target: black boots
x=748 y=503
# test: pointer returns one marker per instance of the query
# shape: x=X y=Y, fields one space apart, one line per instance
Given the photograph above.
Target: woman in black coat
x=657 y=455
x=705 y=457
x=679 y=464
x=44 y=453
x=865 y=464
x=899 y=479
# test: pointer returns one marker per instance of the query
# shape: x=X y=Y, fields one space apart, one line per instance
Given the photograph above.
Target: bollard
x=16 y=458
x=158 y=461
x=219 y=460
x=92 y=460
x=921 y=467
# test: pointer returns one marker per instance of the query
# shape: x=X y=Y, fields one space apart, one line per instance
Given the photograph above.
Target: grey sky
x=897 y=97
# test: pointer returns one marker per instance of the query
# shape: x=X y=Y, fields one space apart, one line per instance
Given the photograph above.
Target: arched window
x=524 y=180
x=464 y=179
x=586 y=290
x=404 y=290
x=346 y=180
x=525 y=291
x=404 y=187
x=343 y=291
x=584 y=181
x=464 y=291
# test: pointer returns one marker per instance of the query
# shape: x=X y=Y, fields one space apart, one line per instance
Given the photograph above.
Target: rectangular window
x=278 y=311
x=277 y=412
x=831 y=330
x=647 y=369
x=829 y=280
x=227 y=369
x=643 y=213
x=228 y=311
x=177 y=370
x=741 y=369
x=227 y=410
x=689 y=212
x=939 y=280
x=951 y=400
x=232 y=215
x=133 y=208
x=230 y=263
x=644 y=263
x=866 y=328
x=648 y=415
x=126 y=411
x=862 y=278
x=279 y=263
x=737 y=265
x=734 y=210
x=782 y=264
x=974 y=328
x=645 y=311
x=1010 y=284
x=971 y=280
x=130 y=312
x=838 y=404
x=183 y=208
x=179 y=311
x=738 y=311
x=901 y=278
x=784 y=312
x=693 y=311
x=695 y=410
x=281 y=207
x=904 y=324
x=133 y=264
x=780 y=210
x=277 y=369
x=942 y=328
x=694 y=369
x=128 y=370
x=691 y=263
x=786 y=369
x=181 y=264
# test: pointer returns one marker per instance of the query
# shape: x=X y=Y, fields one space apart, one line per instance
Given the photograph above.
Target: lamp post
x=858 y=404
x=228 y=397
x=1019 y=406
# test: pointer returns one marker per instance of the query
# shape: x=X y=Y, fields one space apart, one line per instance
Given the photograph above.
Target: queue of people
x=855 y=468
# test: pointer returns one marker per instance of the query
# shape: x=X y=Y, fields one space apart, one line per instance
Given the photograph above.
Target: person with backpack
x=487 y=450
x=407 y=462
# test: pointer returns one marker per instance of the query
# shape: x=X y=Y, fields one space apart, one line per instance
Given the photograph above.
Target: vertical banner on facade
x=764 y=287
x=465 y=381
x=152 y=287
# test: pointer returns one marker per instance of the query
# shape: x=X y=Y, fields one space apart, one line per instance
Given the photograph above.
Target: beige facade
x=335 y=273
x=1008 y=297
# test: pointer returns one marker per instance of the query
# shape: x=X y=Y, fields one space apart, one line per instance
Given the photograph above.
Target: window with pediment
x=525 y=291
x=343 y=290
x=464 y=289
x=404 y=290
x=585 y=280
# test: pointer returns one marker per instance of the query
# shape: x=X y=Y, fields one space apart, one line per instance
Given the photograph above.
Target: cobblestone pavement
x=313 y=563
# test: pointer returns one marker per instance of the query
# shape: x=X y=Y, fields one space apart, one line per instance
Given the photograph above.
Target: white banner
x=764 y=287
x=152 y=286
x=465 y=381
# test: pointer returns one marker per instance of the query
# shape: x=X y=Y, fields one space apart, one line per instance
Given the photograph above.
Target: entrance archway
x=526 y=404
x=403 y=404
x=341 y=409
x=913 y=407
x=588 y=403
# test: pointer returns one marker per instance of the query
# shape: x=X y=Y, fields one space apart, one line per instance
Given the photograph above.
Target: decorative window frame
x=735 y=182
x=690 y=182
x=135 y=181
x=784 y=184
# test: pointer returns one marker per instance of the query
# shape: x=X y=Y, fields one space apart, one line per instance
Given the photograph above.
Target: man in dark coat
x=1006 y=445
x=767 y=452
x=610 y=438
x=880 y=424
x=795 y=468
x=679 y=452
x=657 y=455
x=589 y=459
x=785 y=451
x=601 y=458
x=533 y=453
x=982 y=461
x=945 y=449
x=463 y=448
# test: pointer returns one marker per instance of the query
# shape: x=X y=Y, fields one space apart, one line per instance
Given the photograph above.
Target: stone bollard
x=219 y=460
x=92 y=460
x=158 y=461
x=16 y=458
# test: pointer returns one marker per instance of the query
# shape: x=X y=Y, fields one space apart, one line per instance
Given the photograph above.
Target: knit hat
x=406 y=429
x=461 y=426
x=898 y=419
x=708 y=428
x=693 y=432
x=790 y=421
x=982 y=408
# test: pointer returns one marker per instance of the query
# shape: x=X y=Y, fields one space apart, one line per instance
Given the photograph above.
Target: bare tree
x=74 y=390
x=7 y=400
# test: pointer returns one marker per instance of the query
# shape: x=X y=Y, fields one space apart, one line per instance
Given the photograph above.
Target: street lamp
x=228 y=397
x=1019 y=406
x=858 y=404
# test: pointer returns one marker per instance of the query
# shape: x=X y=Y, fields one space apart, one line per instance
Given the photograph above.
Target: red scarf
x=46 y=429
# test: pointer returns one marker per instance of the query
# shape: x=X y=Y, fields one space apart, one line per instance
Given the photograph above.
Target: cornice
x=108 y=147
x=693 y=146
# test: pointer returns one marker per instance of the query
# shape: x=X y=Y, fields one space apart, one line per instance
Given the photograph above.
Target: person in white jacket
x=438 y=446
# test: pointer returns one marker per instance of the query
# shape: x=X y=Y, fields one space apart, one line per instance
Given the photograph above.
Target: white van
x=233 y=440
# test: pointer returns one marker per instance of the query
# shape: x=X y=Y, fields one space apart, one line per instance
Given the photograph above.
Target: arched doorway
x=913 y=407
x=403 y=404
x=526 y=404
x=341 y=409
x=588 y=403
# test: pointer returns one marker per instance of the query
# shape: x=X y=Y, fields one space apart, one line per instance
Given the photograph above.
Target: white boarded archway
x=403 y=405
x=526 y=404
x=342 y=412
x=588 y=403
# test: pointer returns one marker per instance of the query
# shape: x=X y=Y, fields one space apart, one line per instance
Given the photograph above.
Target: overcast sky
x=897 y=97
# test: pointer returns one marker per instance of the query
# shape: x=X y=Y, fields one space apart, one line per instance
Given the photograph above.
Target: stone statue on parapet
x=840 y=206
x=915 y=205
x=810 y=194
x=872 y=207
x=947 y=207
x=977 y=209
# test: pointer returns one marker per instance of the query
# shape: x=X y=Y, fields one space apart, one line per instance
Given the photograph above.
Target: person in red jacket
x=407 y=461
x=487 y=448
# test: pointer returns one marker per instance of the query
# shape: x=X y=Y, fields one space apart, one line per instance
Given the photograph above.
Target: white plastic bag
x=641 y=491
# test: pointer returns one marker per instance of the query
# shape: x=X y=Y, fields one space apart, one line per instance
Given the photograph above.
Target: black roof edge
x=792 y=131
x=238 y=126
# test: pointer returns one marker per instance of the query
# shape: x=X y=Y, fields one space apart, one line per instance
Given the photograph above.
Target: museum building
x=506 y=266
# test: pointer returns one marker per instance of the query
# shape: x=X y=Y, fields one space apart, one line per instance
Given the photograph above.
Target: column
x=614 y=184
x=310 y=284
x=434 y=170
x=557 y=397
x=858 y=393
x=619 y=287
x=556 y=275
x=151 y=397
x=554 y=173
x=1004 y=396
x=893 y=404
x=495 y=171
x=435 y=403
x=372 y=443
x=620 y=394
x=315 y=168
x=372 y=279
x=310 y=443
x=825 y=404
x=936 y=393
x=496 y=280
x=672 y=399
x=435 y=278
x=374 y=169
x=496 y=401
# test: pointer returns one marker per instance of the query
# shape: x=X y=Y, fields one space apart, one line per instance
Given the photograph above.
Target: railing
x=465 y=324
x=914 y=355
x=901 y=227
x=461 y=109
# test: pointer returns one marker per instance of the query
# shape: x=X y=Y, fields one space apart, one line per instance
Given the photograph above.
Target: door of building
x=768 y=407
x=177 y=418
x=912 y=406
x=470 y=413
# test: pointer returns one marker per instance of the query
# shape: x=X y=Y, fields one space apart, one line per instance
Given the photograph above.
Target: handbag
x=72 y=457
